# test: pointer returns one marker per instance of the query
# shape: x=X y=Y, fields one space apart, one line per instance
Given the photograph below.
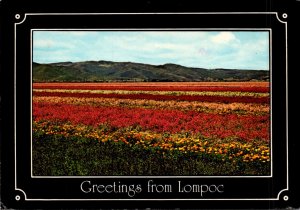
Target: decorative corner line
x=282 y=18
x=284 y=197
x=19 y=193
x=20 y=18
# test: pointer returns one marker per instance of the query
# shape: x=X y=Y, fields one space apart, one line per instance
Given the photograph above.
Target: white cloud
x=49 y=44
x=223 y=38
x=183 y=36
x=43 y=43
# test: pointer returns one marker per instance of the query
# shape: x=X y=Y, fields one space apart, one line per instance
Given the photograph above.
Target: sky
x=202 y=49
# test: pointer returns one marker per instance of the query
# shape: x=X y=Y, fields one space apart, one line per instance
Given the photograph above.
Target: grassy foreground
x=56 y=155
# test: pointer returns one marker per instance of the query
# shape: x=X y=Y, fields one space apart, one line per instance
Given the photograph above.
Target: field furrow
x=209 y=107
x=221 y=99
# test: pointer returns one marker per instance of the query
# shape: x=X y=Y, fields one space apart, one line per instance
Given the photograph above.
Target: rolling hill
x=101 y=71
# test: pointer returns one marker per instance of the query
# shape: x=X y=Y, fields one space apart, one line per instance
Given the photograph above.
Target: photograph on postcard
x=151 y=103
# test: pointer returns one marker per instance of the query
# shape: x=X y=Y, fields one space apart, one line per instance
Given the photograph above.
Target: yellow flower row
x=226 y=149
x=209 y=107
x=174 y=93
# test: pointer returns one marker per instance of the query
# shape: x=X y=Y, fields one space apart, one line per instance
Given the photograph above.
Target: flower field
x=194 y=128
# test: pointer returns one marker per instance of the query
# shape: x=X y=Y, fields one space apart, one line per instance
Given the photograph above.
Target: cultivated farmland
x=151 y=128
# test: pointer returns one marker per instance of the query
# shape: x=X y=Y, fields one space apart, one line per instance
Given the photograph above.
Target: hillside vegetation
x=100 y=71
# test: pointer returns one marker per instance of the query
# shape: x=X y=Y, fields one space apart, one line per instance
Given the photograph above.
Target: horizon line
x=151 y=64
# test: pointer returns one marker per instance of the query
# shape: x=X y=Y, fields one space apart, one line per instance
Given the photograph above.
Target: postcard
x=108 y=112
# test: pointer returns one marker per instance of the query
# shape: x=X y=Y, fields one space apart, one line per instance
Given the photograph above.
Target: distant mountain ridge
x=101 y=71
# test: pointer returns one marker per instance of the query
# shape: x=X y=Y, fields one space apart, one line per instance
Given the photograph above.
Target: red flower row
x=173 y=121
x=256 y=89
x=221 y=99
